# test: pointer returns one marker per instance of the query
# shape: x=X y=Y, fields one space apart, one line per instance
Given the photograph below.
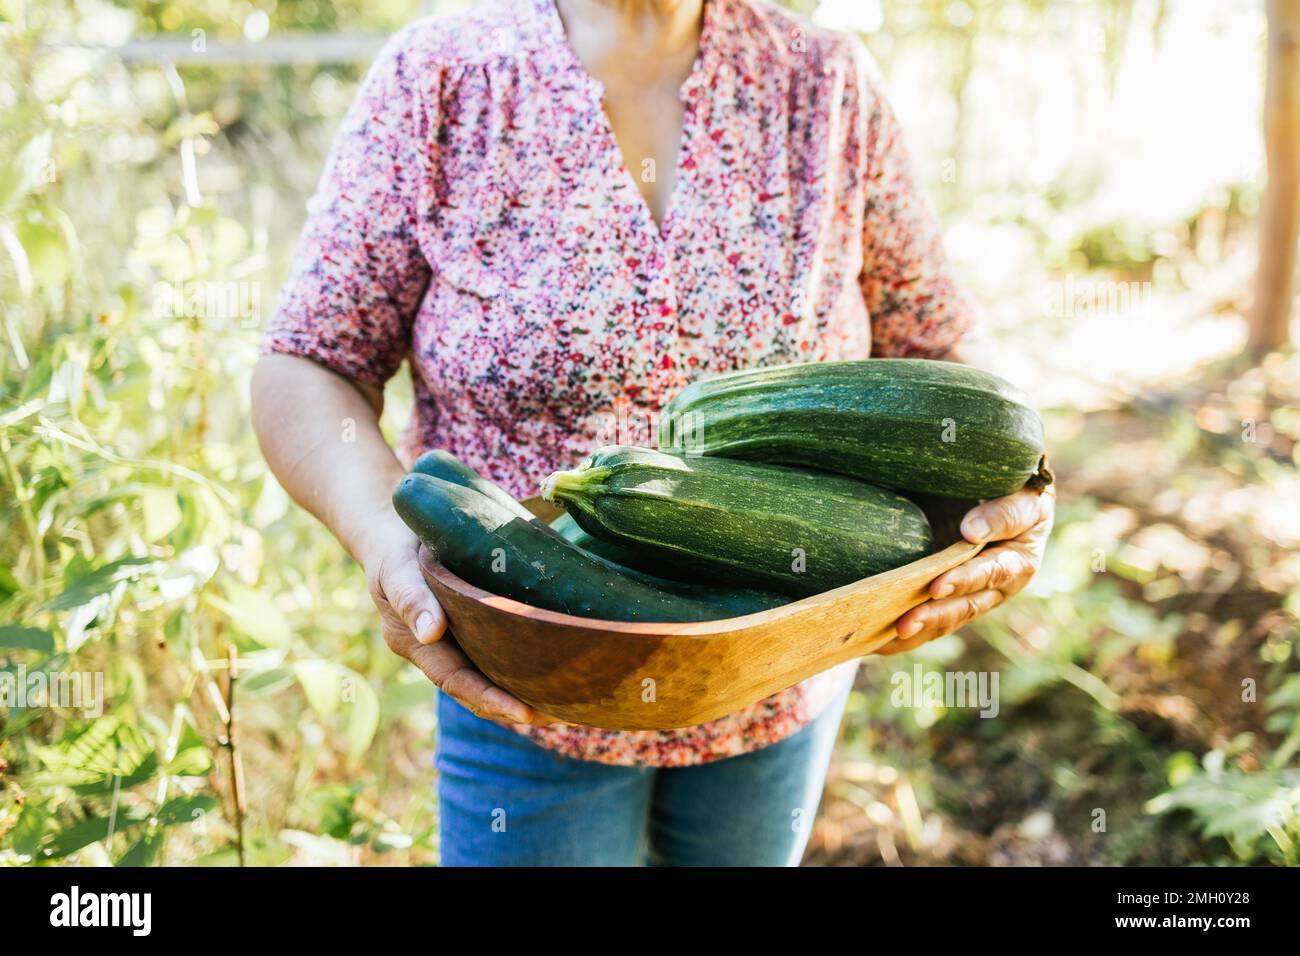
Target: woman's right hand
x=415 y=626
x=297 y=407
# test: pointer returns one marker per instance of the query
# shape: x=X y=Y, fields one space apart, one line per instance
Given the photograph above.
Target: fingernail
x=943 y=591
x=908 y=628
x=423 y=627
x=977 y=529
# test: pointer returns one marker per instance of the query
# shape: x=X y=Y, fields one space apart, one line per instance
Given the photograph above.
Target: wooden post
x=1280 y=217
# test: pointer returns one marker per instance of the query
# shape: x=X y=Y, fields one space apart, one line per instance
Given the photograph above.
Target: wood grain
x=622 y=676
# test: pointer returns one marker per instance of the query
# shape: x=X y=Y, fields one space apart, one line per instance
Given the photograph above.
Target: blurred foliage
x=1149 y=689
x=146 y=216
x=146 y=542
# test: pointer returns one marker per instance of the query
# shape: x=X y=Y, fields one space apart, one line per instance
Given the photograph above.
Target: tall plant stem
x=236 y=761
x=25 y=509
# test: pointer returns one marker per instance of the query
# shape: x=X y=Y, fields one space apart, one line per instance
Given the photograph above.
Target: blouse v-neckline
x=659 y=232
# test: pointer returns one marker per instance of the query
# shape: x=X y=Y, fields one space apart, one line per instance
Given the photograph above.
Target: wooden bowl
x=622 y=676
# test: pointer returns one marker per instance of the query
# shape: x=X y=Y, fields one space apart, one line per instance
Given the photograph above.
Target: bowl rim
x=951 y=556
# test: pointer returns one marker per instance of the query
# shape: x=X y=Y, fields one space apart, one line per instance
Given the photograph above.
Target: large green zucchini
x=489 y=546
x=912 y=424
x=795 y=531
x=734 y=600
x=629 y=556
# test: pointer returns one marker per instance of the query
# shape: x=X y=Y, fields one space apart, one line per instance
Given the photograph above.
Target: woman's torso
x=559 y=315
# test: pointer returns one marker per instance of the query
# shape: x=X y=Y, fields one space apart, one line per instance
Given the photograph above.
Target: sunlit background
x=1099 y=168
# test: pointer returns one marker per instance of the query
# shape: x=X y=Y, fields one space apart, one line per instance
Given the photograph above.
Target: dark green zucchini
x=491 y=547
x=912 y=424
x=786 y=529
x=443 y=464
x=734 y=600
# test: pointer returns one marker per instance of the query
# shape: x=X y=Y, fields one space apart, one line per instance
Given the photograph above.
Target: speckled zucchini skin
x=795 y=531
x=734 y=600
x=915 y=425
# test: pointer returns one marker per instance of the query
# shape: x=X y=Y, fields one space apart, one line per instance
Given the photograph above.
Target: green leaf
x=38 y=379
x=46 y=483
x=85 y=832
x=101 y=752
x=102 y=580
x=8 y=583
x=330 y=687
x=1250 y=820
x=269 y=681
x=322 y=682
x=161 y=513
x=26 y=639
x=1287 y=695
x=105 y=787
x=1292 y=604
x=187 y=809
x=47 y=252
x=144 y=852
x=1241 y=807
x=363 y=714
x=253 y=614
x=194 y=762
x=193 y=758
x=27 y=832
x=20 y=717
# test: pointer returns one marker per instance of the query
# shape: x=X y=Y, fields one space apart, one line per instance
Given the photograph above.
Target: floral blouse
x=476 y=215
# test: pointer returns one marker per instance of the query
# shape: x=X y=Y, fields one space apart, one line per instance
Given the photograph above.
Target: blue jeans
x=505 y=801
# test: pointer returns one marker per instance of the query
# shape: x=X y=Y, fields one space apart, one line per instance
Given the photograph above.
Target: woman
x=563 y=210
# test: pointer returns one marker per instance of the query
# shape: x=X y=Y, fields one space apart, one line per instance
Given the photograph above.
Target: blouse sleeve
x=359 y=273
x=916 y=308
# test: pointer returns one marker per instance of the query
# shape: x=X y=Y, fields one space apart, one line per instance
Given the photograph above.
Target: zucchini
x=492 y=548
x=912 y=424
x=443 y=464
x=735 y=601
x=619 y=553
x=795 y=531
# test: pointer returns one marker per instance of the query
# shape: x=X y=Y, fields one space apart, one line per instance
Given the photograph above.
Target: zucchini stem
x=570 y=484
x=1041 y=479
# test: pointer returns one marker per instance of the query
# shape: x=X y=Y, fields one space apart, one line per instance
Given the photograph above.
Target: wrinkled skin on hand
x=1014 y=530
x=415 y=627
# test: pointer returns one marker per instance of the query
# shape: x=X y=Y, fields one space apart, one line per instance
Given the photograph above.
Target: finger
x=404 y=588
x=1006 y=568
x=546 y=720
x=1003 y=518
x=448 y=667
x=934 y=619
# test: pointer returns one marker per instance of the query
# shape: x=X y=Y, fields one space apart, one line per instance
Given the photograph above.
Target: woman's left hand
x=1016 y=529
